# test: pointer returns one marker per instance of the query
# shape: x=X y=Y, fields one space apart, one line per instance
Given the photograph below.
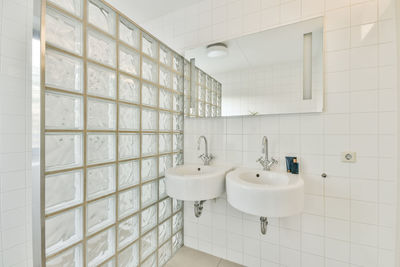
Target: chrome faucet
x=265 y=162
x=205 y=157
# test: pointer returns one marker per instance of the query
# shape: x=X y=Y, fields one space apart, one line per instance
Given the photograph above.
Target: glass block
x=101 y=81
x=148 y=218
x=101 y=16
x=149 y=119
x=63 y=111
x=213 y=111
x=165 y=78
x=149 y=194
x=101 y=114
x=148 y=244
x=129 y=89
x=129 y=33
x=164 y=164
x=128 y=202
x=186 y=87
x=63 y=71
x=193 y=110
x=178 y=103
x=128 y=231
x=164 y=253
x=214 y=98
x=177 y=63
x=63 y=190
x=178 y=122
x=101 y=48
x=149 y=46
x=63 y=31
x=165 y=121
x=128 y=173
x=129 y=256
x=164 y=231
x=219 y=111
x=129 y=117
x=178 y=142
x=165 y=55
x=100 y=148
x=177 y=222
x=176 y=204
x=162 y=192
x=100 y=247
x=208 y=111
x=63 y=230
x=149 y=95
x=100 y=181
x=177 y=83
x=149 y=70
x=209 y=82
x=165 y=142
x=149 y=169
x=178 y=159
x=177 y=241
x=129 y=146
x=109 y=263
x=70 y=257
x=149 y=144
x=129 y=60
x=186 y=107
x=201 y=92
x=201 y=109
x=150 y=262
x=208 y=96
x=164 y=209
x=72 y=6
x=63 y=150
x=100 y=214
x=165 y=99
x=202 y=77
x=186 y=68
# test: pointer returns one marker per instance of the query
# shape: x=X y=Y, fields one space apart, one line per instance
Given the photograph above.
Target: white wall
x=15 y=132
x=349 y=218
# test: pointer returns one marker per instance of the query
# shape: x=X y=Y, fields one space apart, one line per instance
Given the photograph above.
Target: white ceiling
x=282 y=44
x=143 y=10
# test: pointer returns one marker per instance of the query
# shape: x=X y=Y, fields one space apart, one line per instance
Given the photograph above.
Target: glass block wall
x=113 y=123
x=206 y=94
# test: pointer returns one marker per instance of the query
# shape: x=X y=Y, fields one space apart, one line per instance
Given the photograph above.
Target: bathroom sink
x=265 y=193
x=196 y=182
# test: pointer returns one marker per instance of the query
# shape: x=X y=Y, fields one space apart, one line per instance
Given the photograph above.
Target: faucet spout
x=205 y=157
x=264 y=161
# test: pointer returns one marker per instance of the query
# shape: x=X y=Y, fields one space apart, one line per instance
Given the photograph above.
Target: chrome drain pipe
x=198 y=208
x=263 y=224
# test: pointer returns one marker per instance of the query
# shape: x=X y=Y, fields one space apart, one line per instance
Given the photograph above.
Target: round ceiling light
x=217 y=50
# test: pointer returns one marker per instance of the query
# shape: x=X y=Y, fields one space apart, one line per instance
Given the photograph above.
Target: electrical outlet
x=349 y=156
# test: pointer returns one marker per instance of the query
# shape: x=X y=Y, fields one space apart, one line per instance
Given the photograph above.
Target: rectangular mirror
x=276 y=71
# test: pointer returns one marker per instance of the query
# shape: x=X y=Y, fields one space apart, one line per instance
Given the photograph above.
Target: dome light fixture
x=217 y=50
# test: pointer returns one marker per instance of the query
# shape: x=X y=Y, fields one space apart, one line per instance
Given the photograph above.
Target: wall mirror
x=276 y=71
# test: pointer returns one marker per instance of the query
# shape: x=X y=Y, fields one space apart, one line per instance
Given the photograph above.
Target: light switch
x=349 y=157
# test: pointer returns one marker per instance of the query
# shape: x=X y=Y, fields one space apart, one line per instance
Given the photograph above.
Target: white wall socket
x=349 y=156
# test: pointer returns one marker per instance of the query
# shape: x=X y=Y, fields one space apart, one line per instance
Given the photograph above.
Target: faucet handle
x=274 y=160
x=260 y=159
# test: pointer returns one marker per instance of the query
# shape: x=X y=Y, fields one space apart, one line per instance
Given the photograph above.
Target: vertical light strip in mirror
x=307 y=66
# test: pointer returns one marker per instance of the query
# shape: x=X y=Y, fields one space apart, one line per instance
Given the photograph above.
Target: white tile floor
x=189 y=257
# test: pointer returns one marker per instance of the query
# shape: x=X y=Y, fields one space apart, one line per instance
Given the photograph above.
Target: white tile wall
x=15 y=132
x=349 y=218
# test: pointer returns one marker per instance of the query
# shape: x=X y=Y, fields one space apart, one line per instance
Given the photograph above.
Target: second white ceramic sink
x=196 y=182
x=265 y=193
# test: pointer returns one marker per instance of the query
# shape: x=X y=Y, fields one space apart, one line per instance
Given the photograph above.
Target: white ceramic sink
x=265 y=193
x=196 y=182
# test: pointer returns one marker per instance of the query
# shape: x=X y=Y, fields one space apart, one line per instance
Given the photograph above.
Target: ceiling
x=143 y=10
x=282 y=44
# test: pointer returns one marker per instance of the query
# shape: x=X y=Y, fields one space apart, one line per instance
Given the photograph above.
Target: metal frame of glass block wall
x=208 y=95
x=76 y=247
